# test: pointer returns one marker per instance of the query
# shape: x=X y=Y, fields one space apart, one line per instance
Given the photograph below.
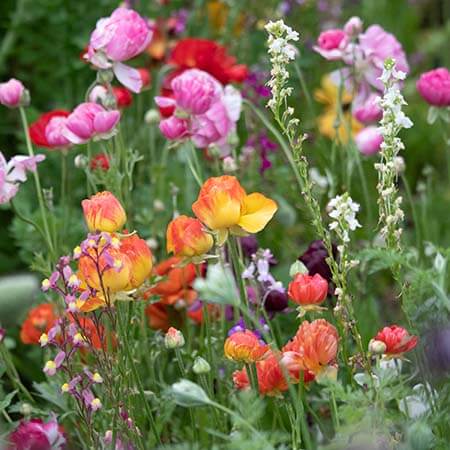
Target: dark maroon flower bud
x=314 y=259
x=276 y=301
x=249 y=245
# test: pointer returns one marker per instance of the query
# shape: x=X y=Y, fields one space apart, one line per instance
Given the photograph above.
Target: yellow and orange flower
x=187 y=237
x=244 y=346
x=103 y=212
x=39 y=320
x=223 y=205
x=313 y=348
x=140 y=257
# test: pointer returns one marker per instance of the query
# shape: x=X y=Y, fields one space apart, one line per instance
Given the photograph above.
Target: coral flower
x=308 y=290
x=39 y=320
x=141 y=260
x=397 y=340
x=313 y=348
x=208 y=56
x=103 y=212
x=223 y=204
x=244 y=346
x=186 y=237
x=38 y=128
x=177 y=284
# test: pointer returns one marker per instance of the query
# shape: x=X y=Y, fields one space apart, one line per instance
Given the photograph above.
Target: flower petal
x=257 y=210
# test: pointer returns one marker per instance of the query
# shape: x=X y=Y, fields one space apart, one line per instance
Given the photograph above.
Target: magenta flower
x=120 y=37
x=368 y=110
x=37 y=435
x=14 y=172
x=90 y=121
x=368 y=140
x=54 y=133
x=331 y=44
x=434 y=87
x=174 y=128
x=12 y=93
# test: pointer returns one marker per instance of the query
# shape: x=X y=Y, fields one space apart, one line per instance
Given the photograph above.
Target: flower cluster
x=342 y=209
x=393 y=121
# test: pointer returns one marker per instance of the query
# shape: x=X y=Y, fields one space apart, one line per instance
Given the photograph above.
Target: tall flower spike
x=393 y=121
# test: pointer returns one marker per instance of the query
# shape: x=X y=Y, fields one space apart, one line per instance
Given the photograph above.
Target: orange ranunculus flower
x=113 y=279
x=244 y=346
x=223 y=204
x=178 y=282
x=308 y=290
x=140 y=257
x=186 y=237
x=313 y=348
x=39 y=320
x=103 y=212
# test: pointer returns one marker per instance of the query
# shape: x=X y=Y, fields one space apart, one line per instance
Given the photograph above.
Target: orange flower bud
x=397 y=340
x=223 y=204
x=308 y=290
x=103 y=212
x=313 y=348
x=187 y=237
x=140 y=257
x=244 y=346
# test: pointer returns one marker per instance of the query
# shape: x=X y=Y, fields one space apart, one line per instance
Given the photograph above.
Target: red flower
x=39 y=320
x=100 y=161
x=397 y=340
x=123 y=96
x=145 y=76
x=308 y=290
x=37 y=128
x=209 y=56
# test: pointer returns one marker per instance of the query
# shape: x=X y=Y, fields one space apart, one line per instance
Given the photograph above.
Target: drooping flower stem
x=40 y=196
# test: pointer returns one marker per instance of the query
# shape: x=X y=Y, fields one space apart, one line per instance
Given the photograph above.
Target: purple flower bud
x=276 y=301
x=314 y=259
x=249 y=245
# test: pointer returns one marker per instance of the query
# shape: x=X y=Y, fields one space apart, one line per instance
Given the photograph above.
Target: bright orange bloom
x=186 y=237
x=244 y=346
x=308 y=290
x=140 y=256
x=223 y=204
x=397 y=340
x=91 y=332
x=313 y=348
x=113 y=279
x=39 y=320
x=177 y=284
x=103 y=212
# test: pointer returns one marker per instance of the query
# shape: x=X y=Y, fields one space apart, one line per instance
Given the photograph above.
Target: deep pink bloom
x=37 y=435
x=120 y=37
x=13 y=172
x=434 y=87
x=11 y=93
x=90 y=120
x=331 y=43
x=368 y=110
x=54 y=133
x=174 y=128
x=368 y=140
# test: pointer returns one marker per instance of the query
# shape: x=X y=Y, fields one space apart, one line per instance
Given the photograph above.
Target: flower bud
x=81 y=161
x=151 y=116
x=13 y=94
x=201 y=366
x=173 y=339
x=353 y=26
x=377 y=347
x=308 y=290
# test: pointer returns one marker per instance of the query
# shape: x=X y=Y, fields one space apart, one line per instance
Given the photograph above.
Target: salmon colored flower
x=223 y=204
x=39 y=320
x=313 y=348
x=308 y=291
x=103 y=212
x=186 y=237
x=397 y=340
x=177 y=284
x=244 y=346
x=140 y=257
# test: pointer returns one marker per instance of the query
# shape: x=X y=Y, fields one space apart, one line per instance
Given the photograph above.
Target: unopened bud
x=173 y=339
x=377 y=347
x=201 y=366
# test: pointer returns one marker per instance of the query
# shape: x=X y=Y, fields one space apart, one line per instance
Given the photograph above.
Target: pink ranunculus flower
x=54 y=133
x=12 y=93
x=369 y=140
x=377 y=45
x=434 y=87
x=13 y=172
x=367 y=110
x=174 y=128
x=35 y=434
x=331 y=43
x=353 y=26
x=90 y=121
x=194 y=91
x=120 y=37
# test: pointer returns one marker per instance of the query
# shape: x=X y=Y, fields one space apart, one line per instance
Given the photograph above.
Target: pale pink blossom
x=367 y=110
x=13 y=172
x=353 y=26
x=368 y=140
x=120 y=37
x=90 y=121
x=11 y=93
x=434 y=87
x=54 y=133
